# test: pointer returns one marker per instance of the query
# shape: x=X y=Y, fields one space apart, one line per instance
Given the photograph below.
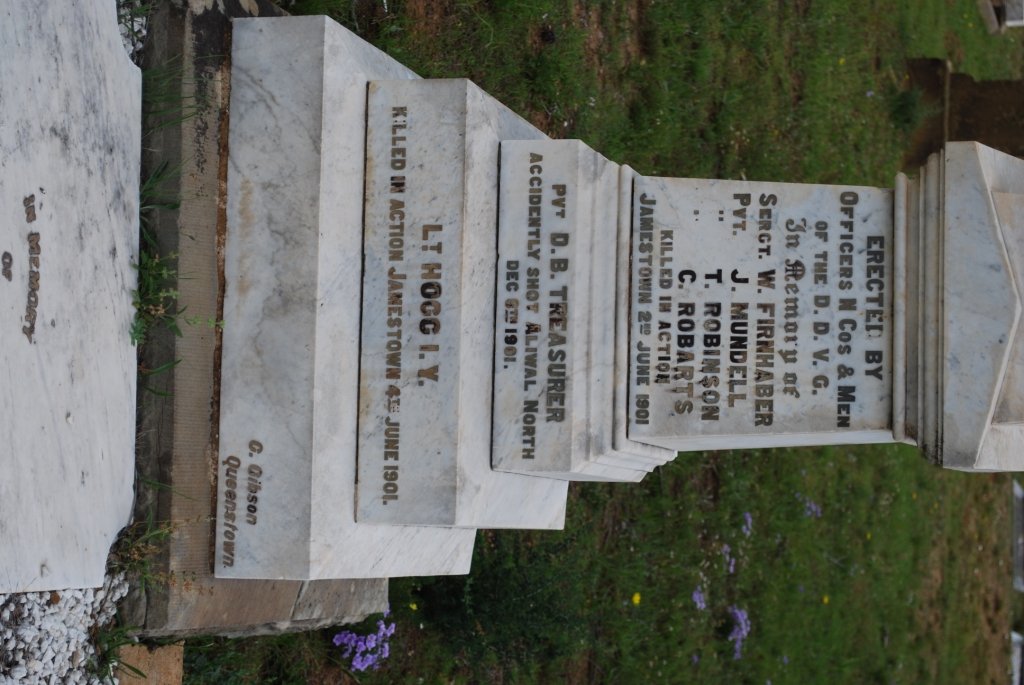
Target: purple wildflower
x=347 y=638
x=695 y=659
x=811 y=508
x=730 y=561
x=748 y=524
x=740 y=630
x=698 y=599
x=366 y=651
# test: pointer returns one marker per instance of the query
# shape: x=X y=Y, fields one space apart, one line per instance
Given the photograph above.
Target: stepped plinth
x=436 y=317
x=964 y=370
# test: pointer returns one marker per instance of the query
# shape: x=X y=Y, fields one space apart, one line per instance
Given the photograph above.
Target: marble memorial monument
x=436 y=317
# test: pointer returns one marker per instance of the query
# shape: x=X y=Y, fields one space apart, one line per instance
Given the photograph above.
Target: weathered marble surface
x=903 y=271
x=428 y=313
x=981 y=417
x=541 y=356
x=291 y=344
x=761 y=314
x=69 y=176
x=619 y=416
x=69 y=185
x=554 y=352
x=610 y=256
x=962 y=383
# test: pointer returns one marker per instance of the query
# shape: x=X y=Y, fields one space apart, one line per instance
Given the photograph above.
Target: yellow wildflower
x=636 y=598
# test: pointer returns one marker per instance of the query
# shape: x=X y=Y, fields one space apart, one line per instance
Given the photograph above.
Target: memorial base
x=286 y=474
x=436 y=317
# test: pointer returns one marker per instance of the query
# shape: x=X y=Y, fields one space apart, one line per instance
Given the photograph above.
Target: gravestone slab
x=980 y=414
x=69 y=176
x=428 y=313
x=177 y=425
x=289 y=375
x=618 y=418
x=1014 y=13
x=555 y=338
x=542 y=357
x=962 y=383
x=761 y=314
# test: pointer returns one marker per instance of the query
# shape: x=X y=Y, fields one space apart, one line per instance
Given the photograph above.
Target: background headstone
x=70 y=142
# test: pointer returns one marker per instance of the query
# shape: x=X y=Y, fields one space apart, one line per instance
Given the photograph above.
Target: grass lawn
x=839 y=565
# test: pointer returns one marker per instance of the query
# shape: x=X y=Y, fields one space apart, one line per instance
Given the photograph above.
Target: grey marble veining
x=555 y=355
x=428 y=314
x=69 y=178
x=291 y=348
x=760 y=314
x=981 y=415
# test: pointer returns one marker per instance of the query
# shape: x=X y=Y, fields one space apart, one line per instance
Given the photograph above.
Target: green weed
x=136 y=550
x=907 y=109
x=156 y=297
x=155 y=300
x=164 y=100
x=107 y=642
x=294 y=658
x=128 y=14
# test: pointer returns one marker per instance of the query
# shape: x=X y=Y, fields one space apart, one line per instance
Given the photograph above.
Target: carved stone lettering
x=779 y=324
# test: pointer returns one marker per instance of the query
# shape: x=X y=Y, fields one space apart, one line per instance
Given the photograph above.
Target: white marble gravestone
x=290 y=357
x=760 y=310
x=554 y=355
x=428 y=313
x=824 y=315
x=435 y=316
x=69 y=179
x=964 y=387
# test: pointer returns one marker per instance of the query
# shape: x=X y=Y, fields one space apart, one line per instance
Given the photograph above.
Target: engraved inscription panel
x=536 y=348
x=241 y=483
x=411 y=319
x=759 y=309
